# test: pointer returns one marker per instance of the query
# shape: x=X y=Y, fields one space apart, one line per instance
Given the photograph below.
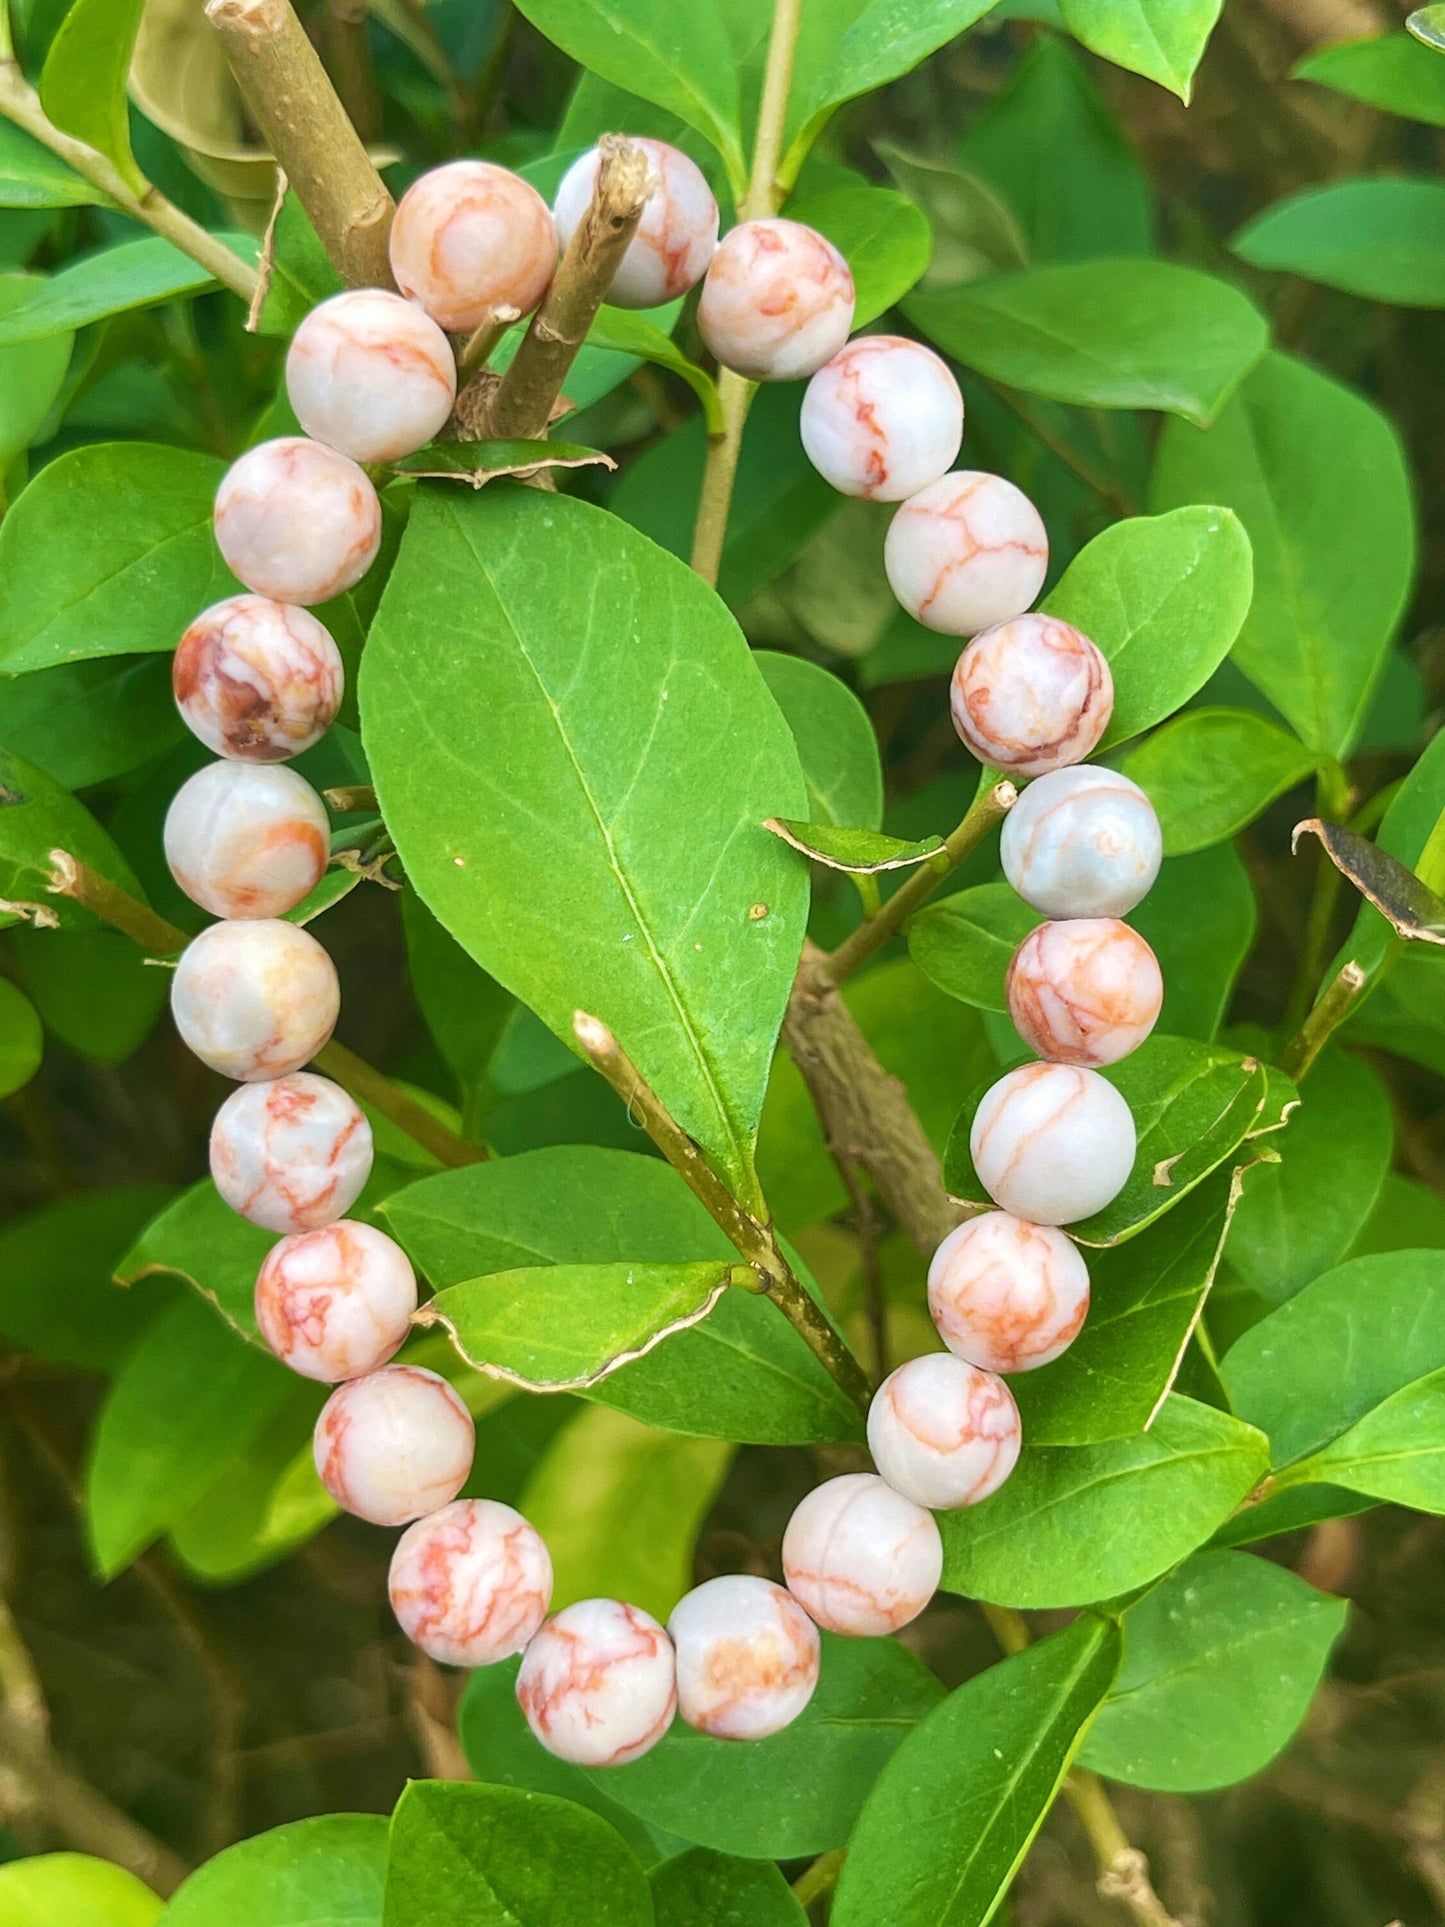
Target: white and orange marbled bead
x=862 y=1559
x=394 y=1445
x=371 y=375
x=247 y=839
x=598 y=1683
x=747 y=1657
x=336 y=1302
x=942 y=1432
x=1052 y=1143
x=883 y=419
x=470 y=238
x=297 y=521
x=675 y=239
x=255 y=999
x=1031 y=695
x=471 y=1584
x=292 y=1154
x=1082 y=842
x=1007 y=1295
x=1085 y=991
x=968 y=551
x=257 y=680
x=777 y=301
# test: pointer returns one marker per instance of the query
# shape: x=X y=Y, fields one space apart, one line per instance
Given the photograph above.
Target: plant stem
x=157 y=936
x=720 y=472
x=757 y=1242
x=818 y=1879
x=481 y=344
x=1330 y=1011
x=349 y=798
x=765 y=193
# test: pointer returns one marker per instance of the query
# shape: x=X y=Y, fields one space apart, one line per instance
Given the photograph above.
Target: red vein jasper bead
x=1086 y=991
x=297 y=521
x=470 y=1584
x=942 y=1432
x=883 y=419
x=1006 y=1295
x=777 y=301
x=598 y=1683
x=861 y=1558
x=292 y=1154
x=370 y=375
x=1031 y=695
x=968 y=551
x=257 y=680
x=394 y=1445
x=256 y=999
x=675 y=239
x=469 y=238
x=336 y=1303
x=1082 y=842
x=247 y=839
x=747 y=1657
x=1052 y=1143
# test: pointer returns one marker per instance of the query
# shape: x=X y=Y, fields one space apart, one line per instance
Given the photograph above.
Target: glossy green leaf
x=835 y=739
x=628 y=333
x=559 y=742
x=700 y=1888
x=1407 y=1215
x=496 y=1856
x=956 y=1808
x=198 y=1237
x=58 y=1298
x=1381 y=237
x=31 y=176
x=1210 y=772
x=267 y=1500
x=860 y=852
x=1391 y=70
x=965 y=943
x=84 y=722
x=1292 y=1510
x=1220 y=1665
x=883 y=237
x=95 y=989
x=22 y=1041
x=1396 y=1452
x=83 y=82
x=326 y=1872
x=1200 y=956
x=1164 y=597
x=1331 y=570
x=133 y=274
x=1162 y=39
x=36 y=817
x=975 y=231
x=1105 y=334
x=1080 y=1523
x=30 y=375
x=800 y=1791
x=73 y=1890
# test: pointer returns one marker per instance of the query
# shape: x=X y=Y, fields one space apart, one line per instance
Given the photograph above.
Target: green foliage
x=1160 y=39
x=883 y=237
x=30 y=375
x=835 y=740
x=328 y=1869
x=73 y=1890
x=31 y=176
x=1393 y=71
x=1210 y=772
x=703 y=1889
x=1380 y=238
x=22 y=1042
x=36 y=817
x=83 y=83
x=134 y=274
x=58 y=1298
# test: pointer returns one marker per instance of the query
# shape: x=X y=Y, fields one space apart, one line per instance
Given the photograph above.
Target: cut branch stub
x=859 y=852
x=1397 y=893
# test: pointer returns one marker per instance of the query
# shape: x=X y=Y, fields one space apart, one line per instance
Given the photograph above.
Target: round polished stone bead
x=747 y=1657
x=1006 y=1295
x=1031 y=695
x=968 y=551
x=777 y=301
x=1052 y=1143
x=471 y=1584
x=255 y=999
x=675 y=239
x=291 y=1154
x=598 y=1683
x=336 y=1302
x=860 y=1557
x=942 y=1432
x=247 y=839
x=1087 y=991
x=471 y=238
x=1082 y=842
x=297 y=521
x=394 y=1445
x=883 y=419
x=371 y=375
x=257 y=680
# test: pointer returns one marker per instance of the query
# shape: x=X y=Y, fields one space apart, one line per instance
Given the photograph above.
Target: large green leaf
x=965 y=943
x=700 y=1888
x=1395 y=1452
x=568 y=727
x=199 y=1238
x=1200 y=956
x=1106 y=334
x=1220 y=1665
x=1382 y=237
x=58 y=1298
x=72 y=1890
x=1392 y=70
x=22 y=1041
x=1080 y=1523
x=36 y=817
x=97 y=990
x=1162 y=39
x=1332 y=568
x=133 y=274
x=883 y=237
x=835 y=740
x=954 y=1811
x=84 y=722
x=30 y=375
x=31 y=176
x=83 y=82
x=1210 y=772
x=326 y=1872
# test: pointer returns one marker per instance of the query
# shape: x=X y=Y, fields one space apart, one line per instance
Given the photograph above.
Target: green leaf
x=565 y=759
x=31 y=176
x=58 y=1299
x=72 y=1890
x=1396 y=1452
x=133 y=274
x=1331 y=571
x=302 y=275
x=700 y=1888
x=834 y=735
x=679 y=59
x=620 y=1506
x=743 y=1374
x=1211 y=772
x=954 y=1812
x=198 y=1237
x=975 y=232
x=30 y=375
x=83 y=83
x=1164 y=597
x=1104 y=334
x=883 y=237
x=326 y=1872
x=629 y=333
x=1079 y=1523
x=22 y=1041
x=1220 y=1665
x=800 y=1791
x=1382 y=238
x=36 y=817
x=965 y=943
x=1162 y=39
x=95 y=989
x=267 y=1500
x=597 y=370
x=84 y=722
x=109 y=552
x=1406 y=1215
x=1392 y=71
x=496 y=1856
x=1200 y=956
x=860 y=852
